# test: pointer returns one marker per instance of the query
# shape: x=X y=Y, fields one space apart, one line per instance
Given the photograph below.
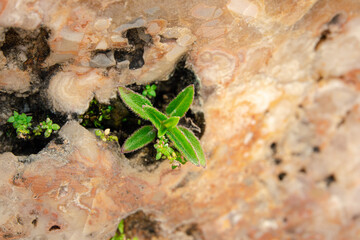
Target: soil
x=144 y=226
x=33 y=45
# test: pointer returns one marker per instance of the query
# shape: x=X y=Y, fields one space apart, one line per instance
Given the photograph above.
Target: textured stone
x=280 y=92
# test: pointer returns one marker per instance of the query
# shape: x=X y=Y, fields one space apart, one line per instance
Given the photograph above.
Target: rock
x=279 y=85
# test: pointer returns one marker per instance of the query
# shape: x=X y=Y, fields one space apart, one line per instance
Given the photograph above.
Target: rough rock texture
x=280 y=89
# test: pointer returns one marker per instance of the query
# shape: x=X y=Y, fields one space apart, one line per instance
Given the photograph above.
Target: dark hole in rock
x=273 y=147
x=19 y=220
x=33 y=106
x=34 y=222
x=32 y=44
x=282 y=175
x=277 y=161
x=192 y=230
x=337 y=20
x=138 y=39
x=141 y=225
x=316 y=149
x=324 y=35
x=8 y=235
x=303 y=170
x=54 y=227
x=59 y=141
x=330 y=180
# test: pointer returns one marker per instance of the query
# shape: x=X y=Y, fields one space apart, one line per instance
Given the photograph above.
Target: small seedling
x=21 y=123
x=105 y=135
x=149 y=91
x=120 y=235
x=48 y=126
x=165 y=151
x=165 y=125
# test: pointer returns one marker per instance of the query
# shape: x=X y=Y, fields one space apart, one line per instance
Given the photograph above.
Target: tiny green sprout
x=149 y=91
x=120 y=234
x=105 y=135
x=187 y=145
x=165 y=151
x=48 y=126
x=21 y=123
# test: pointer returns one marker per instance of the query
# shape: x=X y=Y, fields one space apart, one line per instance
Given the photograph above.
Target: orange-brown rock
x=280 y=92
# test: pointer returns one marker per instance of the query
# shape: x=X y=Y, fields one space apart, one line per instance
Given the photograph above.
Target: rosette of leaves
x=21 y=123
x=149 y=91
x=164 y=124
x=47 y=126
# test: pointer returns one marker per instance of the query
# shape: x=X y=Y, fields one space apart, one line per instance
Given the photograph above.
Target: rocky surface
x=279 y=89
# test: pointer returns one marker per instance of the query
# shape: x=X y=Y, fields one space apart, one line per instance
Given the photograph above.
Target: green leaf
x=158 y=156
x=11 y=119
x=196 y=145
x=16 y=114
x=180 y=105
x=47 y=133
x=155 y=116
x=183 y=145
x=55 y=127
x=98 y=133
x=162 y=131
x=121 y=226
x=28 y=119
x=171 y=122
x=139 y=139
x=152 y=93
x=134 y=101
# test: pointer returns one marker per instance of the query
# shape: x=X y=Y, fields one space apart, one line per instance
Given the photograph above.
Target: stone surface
x=280 y=92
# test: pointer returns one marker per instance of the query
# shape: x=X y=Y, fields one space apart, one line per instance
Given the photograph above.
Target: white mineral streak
x=72 y=89
x=243 y=7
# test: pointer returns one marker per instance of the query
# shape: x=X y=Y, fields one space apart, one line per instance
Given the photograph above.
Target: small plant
x=95 y=115
x=187 y=145
x=120 y=235
x=149 y=91
x=48 y=126
x=21 y=123
x=163 y=150
x=105 y=135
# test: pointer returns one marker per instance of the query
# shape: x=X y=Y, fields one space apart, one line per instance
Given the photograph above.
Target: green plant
x=95 y=114
x=105 y=135
x=182 y=139
x=165 y=151
x=120 y=235
x=48 y=126
x=149 y=91
x=21 y=123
